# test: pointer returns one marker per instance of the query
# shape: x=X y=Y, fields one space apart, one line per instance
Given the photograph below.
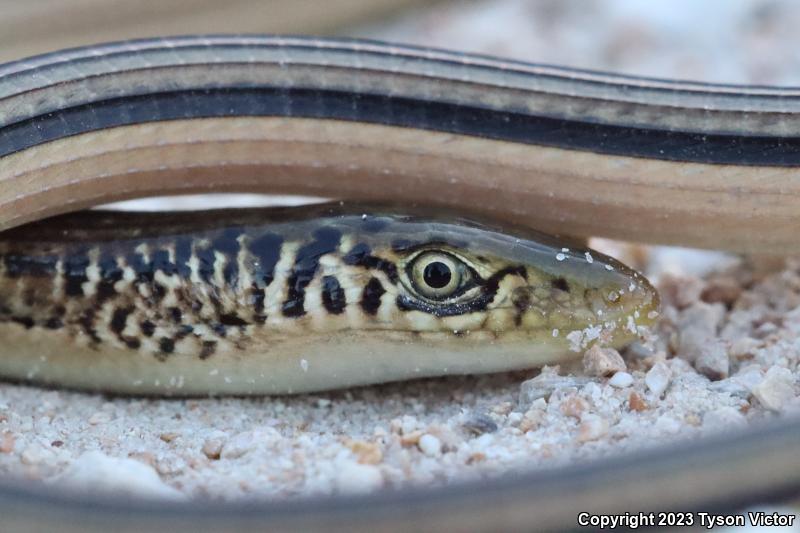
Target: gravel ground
x=724 y=355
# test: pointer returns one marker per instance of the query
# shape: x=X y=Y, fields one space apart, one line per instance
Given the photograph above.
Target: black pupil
x=437 y=275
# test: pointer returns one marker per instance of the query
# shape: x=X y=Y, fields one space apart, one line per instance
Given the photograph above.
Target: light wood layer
x=748 y=209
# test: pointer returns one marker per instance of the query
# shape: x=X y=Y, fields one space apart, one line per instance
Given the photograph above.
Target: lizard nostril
x=521 y=298
x=560 y=284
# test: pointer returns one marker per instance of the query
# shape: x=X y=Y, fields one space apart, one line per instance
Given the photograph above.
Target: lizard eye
x=438 y=275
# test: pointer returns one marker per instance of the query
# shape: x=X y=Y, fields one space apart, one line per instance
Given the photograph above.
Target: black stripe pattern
x=371 y=297
x=203 y=292
x=567 y=133
x=333 y=297
x=326 y=240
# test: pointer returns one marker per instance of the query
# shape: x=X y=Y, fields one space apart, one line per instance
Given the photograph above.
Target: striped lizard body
x=289 y=300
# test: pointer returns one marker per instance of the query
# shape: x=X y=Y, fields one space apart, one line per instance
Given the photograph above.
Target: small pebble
x=636 y=403
x=723 y=419
x=748 y=376
x=776 y=389
x=732 y=387
x=502 y=408
x=484 y=442
x=680 y=291
x=592 y=427
x=668 y=424
x=212 y=448
x=514 y=418
x=7 y=442
x=479 y=423
x=713 y=360
x=143 y=457
x=451 y=439
x=744 y=348
x=98 y=473
x=602 y=362
x=409 y=424
x=352 y=477
x=639 y=350
x=34 y=455
x=697 y=327
x=170 y=465
x=168 y=436
x=411 y=439
x=722 y=289
x=430 y=445
x=574 y=406
x=543 y=385
x=246 y=442
x=621 y=380
x=368 y=453
x=531 y=420
x=657 y=378
x=477 y=457
x=239 y=445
